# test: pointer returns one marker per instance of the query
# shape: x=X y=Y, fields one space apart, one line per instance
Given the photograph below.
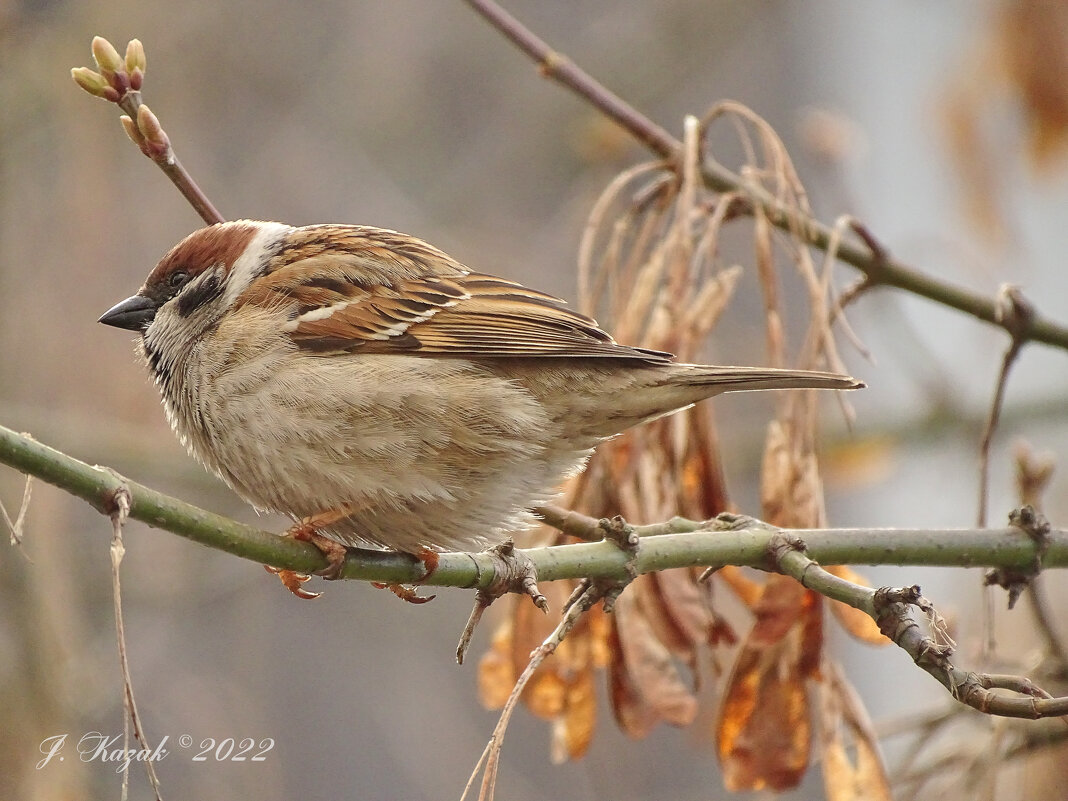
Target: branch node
x=879 y=254
x=891 y=611
x=1013 y=312
x=780 y=544
x=625 y=537
x=117 y=501
x=1035 y=525
x=513 y=571
x=551 y=63
x=884 y=596
x=729 y=521
x=620 y=532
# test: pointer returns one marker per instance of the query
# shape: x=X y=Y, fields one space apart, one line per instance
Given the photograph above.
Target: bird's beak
x=134 y=314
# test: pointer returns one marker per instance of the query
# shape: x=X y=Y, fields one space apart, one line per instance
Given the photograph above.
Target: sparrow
x=378 y=392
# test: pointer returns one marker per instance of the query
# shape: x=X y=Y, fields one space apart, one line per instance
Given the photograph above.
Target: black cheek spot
x=199 y=293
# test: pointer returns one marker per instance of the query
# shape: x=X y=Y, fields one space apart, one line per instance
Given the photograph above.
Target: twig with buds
x=119 y=80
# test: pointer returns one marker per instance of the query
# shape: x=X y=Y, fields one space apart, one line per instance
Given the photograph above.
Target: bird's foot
x=292 y=581
x=307 y=530
x=407 y=592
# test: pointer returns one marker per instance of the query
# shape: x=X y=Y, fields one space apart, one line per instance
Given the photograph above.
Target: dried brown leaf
x=600 y=632
x=649 y=665
x=653 y=267
x=745 y=588
x=1033 y=38
x=530 y=626
x=663 y=625
x=572 y=731
x=1020 y=60
x=863 y=778
x=980 y=183
x=709 y=303
x=522 y=630
x=632 y=714
x=781 y=606
x=765 y=262
x=763 y=733
x=545 y=695
x=791 y=492
x=496 y=671
x=862 y=461
x=687 y=603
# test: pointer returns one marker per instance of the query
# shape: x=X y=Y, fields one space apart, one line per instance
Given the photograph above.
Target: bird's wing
x=428 y=305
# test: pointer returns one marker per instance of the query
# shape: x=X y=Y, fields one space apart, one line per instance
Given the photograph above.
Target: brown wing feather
x=466 y=316
x=369 y=290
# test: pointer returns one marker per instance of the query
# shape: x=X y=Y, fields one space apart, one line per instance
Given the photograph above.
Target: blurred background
x=941 y=126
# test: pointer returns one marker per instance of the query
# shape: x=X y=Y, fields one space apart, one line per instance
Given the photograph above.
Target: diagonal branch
x=877 y=266
x=892 y=609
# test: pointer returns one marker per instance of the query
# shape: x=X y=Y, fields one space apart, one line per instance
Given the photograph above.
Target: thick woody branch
x=863 y=253
x=712 y=543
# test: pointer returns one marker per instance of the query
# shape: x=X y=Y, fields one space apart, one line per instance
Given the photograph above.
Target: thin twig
x=514 y=572
x=16 y=526
x=1014 y=312
x=838 y=303
x=488 y=763
x=119 y=81
x=120 y=500
x=555 y=65
x=167 y=160
x=1014 y=315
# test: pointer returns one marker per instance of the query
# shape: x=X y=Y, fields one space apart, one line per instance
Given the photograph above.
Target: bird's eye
x=177 y=279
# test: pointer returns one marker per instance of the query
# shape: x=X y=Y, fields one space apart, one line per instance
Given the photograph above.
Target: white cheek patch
x=251 y=261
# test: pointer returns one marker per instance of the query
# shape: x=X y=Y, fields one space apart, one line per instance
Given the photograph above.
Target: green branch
x=676 y=543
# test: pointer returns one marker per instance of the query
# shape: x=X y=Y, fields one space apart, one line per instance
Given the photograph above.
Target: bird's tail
x=625 y=398
x=680 y=385
x=711 y=380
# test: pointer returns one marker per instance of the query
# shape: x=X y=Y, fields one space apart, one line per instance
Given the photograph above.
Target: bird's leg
x=307 y=530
